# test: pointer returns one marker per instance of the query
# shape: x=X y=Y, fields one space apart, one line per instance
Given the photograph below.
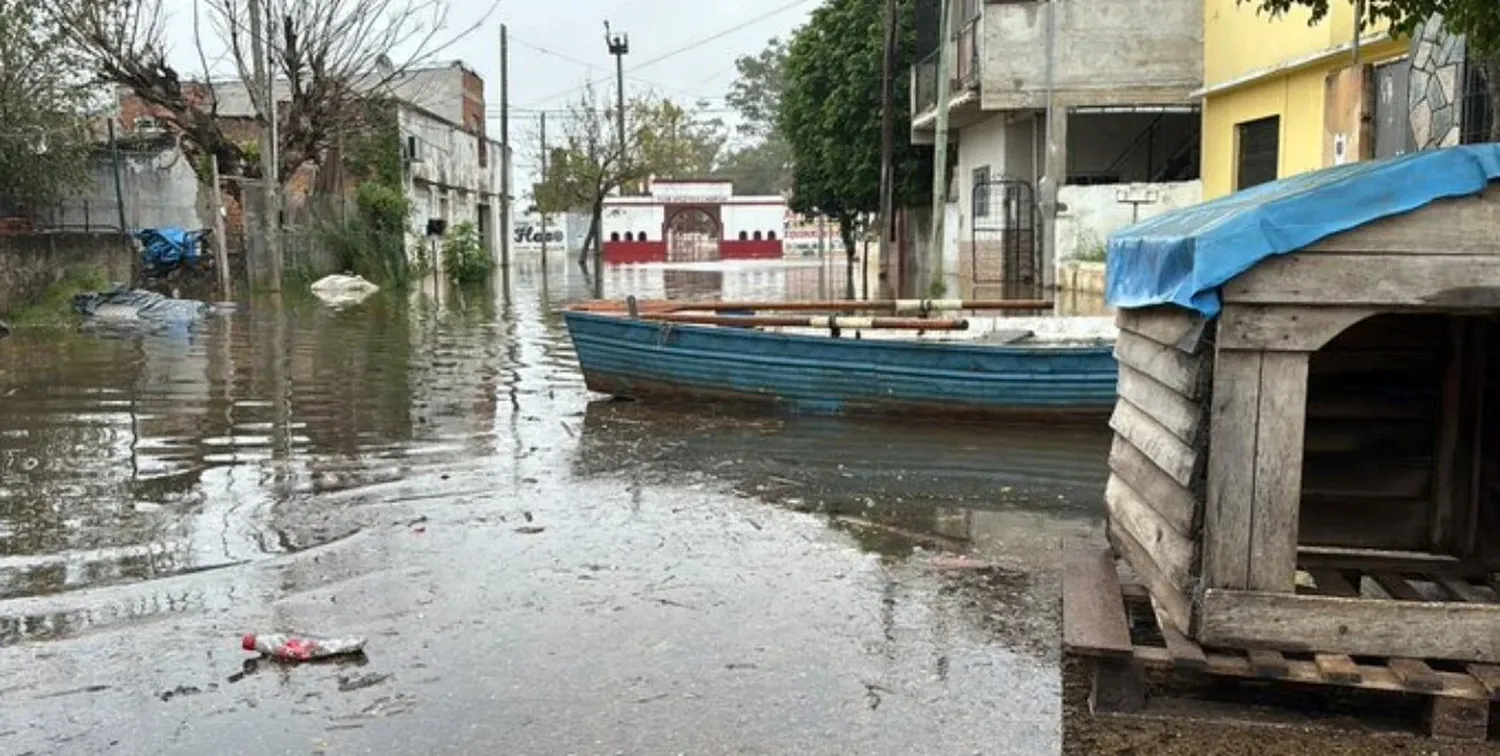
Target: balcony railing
x=924 y=84
x=964 y=77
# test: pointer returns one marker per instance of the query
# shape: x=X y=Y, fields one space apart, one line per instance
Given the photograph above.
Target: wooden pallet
x=1097 y=626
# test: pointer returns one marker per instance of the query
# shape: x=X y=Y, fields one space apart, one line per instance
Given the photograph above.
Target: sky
x=681 y=49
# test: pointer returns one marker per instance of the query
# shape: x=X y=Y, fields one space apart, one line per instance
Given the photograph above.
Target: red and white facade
x=693 y=221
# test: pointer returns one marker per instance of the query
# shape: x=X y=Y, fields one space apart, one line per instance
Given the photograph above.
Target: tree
x=762 y=163
x=830 y=116
x=662 y=139
x=1477 y=20
x=45 y=140
x=328 y=57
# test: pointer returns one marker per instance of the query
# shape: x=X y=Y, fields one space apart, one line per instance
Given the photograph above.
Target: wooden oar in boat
x=875 y=305
x=831 y=322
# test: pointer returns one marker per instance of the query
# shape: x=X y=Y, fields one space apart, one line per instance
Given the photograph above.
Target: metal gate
x=1004 y=246
x=692 y=236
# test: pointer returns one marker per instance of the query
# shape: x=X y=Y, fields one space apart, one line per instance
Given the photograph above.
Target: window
x=771 y=235
x=629 y=236
x=981 y=181
x=757 y=236
x=642 y=236
x=744 y=236
x=614 y=236
x=1259 y=152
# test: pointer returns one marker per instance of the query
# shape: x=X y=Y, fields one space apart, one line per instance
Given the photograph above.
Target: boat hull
x=638 y=359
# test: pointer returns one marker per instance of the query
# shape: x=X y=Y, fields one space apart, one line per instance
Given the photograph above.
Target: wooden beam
x=1167 y=451
x=1415 y=674
x=1170 y=551
x=1169 y=498
x=1354 y=626
x=1181 y=372
x=1278 y=472
x=1369 y=560
x=1231 y=470
x=1444 y=227
x=1094 y=622
x=1178 y=414
x=1452 y=282
x=1286 y=329
x=1337 y=668
x=1268 y=663
x=1371 y=677
x=1167 y=325
x=1331 y=582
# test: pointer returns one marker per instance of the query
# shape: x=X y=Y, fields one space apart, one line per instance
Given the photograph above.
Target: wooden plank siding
x=1158 y=457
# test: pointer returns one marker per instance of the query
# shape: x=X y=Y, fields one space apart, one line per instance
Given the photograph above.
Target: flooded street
x=538 y=570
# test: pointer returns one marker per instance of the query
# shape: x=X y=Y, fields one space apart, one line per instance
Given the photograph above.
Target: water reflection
x=131 y=459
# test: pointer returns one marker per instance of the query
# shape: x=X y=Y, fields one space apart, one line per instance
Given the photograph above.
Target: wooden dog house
x=1316 y=466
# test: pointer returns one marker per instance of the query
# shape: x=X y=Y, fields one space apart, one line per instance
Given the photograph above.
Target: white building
x=693 y=220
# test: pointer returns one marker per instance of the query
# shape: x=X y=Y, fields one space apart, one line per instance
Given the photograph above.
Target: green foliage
x=464 y=255
x=758 y=91
x=372 y=151
x=54 y=306
x=45 y=142
x=830 y=114
x=763 y=163
x=1478 y=20
x=372 y=243
x=662 y=139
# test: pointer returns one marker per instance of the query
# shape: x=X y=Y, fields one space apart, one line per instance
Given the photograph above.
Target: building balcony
x=963 y=81
x=1016 y=55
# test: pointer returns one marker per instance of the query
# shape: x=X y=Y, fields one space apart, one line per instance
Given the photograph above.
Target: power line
x=686 y=48
x=586 y=64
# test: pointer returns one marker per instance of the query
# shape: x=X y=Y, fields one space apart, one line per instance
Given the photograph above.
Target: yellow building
x=1281 y=97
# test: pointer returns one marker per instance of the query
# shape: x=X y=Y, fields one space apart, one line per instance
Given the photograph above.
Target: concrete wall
x=767 y=219
x=635 y=219
x=1095 y=212
x=159 y=189
x=449 y=180
x=1240 y=42
x=29 y=263
x=1298 y=97
x=1104 y=52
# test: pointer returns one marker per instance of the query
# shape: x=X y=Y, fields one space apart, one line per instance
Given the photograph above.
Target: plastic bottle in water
x=292 y=648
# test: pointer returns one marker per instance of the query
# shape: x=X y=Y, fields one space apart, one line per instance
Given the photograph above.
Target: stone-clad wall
x=1435 y=91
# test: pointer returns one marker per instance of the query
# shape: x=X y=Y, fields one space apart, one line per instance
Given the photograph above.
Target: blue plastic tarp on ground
x=166 y=247
x=1182 y=257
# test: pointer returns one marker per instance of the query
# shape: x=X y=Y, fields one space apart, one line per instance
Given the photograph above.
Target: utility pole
x=887 y=159
x=619 y=46
x=221 y=249
x=540 y=208
x=505 y=150
x=273 y=189
x=940 y=157
x=114 y=154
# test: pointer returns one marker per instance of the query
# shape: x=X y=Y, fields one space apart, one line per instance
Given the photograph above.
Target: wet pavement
x=538 y=570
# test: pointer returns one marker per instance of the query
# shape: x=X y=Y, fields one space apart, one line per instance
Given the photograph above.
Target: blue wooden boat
x=642 y=358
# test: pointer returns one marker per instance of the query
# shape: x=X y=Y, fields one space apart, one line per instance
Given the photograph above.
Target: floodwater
x=538 y=570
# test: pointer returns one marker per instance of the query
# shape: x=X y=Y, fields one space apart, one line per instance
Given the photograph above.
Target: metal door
x=1004 y=246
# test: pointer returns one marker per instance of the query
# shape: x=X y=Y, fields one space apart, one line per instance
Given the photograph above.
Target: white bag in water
x=341 y=291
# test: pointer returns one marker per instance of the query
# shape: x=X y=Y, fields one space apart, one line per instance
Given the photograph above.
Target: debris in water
x=342 y=291
x=287 y=648
x=349 y=683
x=181 y=690
x=960 y=562
x=530 y=529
